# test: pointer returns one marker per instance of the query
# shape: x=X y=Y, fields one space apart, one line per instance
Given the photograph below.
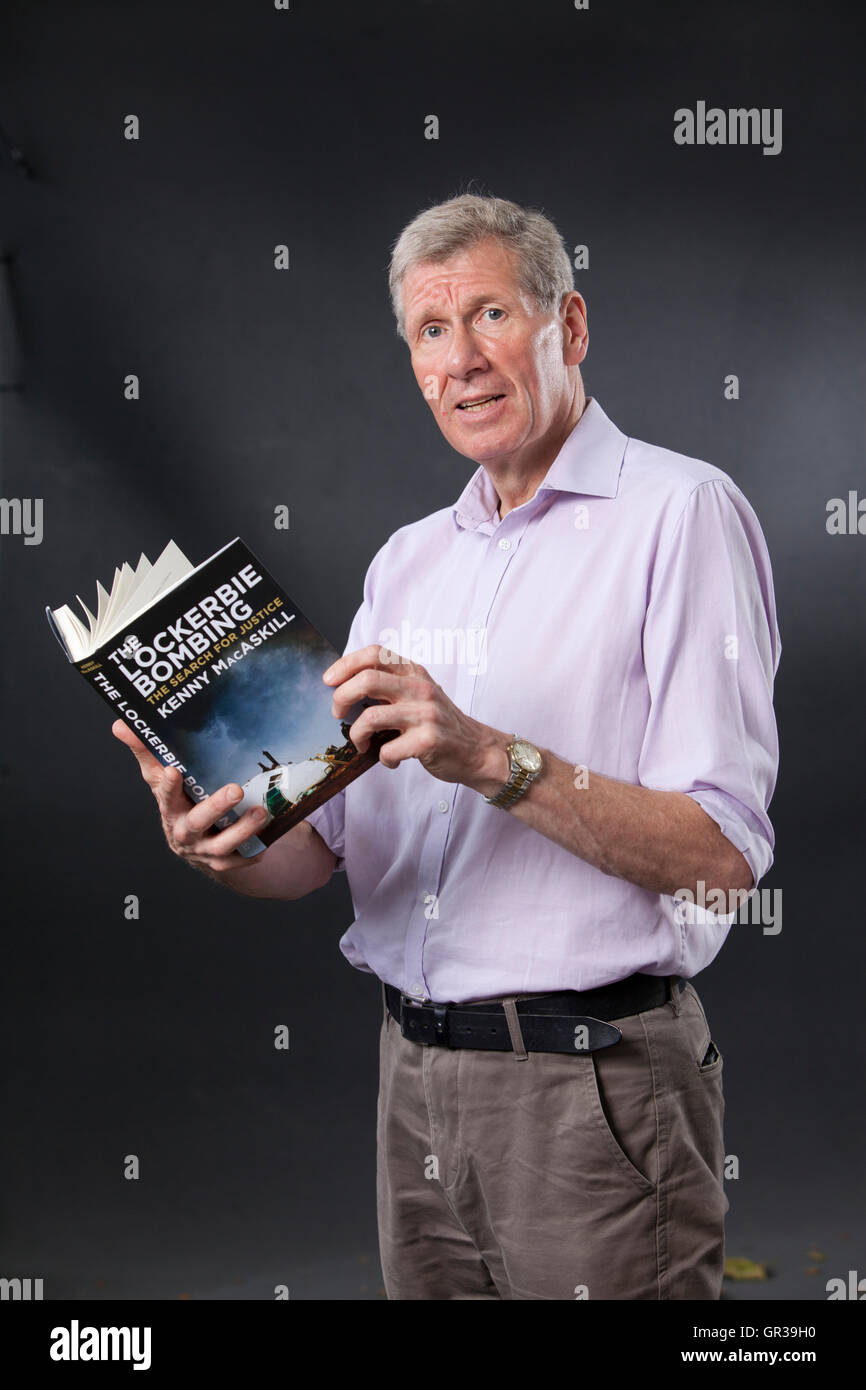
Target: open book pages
x=132 y=591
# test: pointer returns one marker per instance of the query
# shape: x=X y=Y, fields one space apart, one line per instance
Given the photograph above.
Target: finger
x=377 y=684
x=150 y=766
x=375 y=717
x=233 y=861
x=375 y=656
x=409 y=745
x=224 y=843
x=168 y=790
x=206 y=812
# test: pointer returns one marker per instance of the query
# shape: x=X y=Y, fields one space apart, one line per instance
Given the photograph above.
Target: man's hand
x=446 y=742
x=188 y=826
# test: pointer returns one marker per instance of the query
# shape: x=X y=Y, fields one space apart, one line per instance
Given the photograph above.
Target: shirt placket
x=501 y=541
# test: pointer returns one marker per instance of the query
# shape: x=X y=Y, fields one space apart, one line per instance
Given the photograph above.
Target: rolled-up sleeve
x=711 y=648
x=330 y=821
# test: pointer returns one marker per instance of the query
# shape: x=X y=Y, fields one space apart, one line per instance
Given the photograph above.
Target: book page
x=132 y=593
x=168 y=570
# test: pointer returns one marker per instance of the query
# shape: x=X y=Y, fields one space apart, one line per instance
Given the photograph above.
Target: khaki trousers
x=548 y=1176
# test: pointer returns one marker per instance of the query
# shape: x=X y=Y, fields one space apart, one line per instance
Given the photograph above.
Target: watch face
x=526 y=756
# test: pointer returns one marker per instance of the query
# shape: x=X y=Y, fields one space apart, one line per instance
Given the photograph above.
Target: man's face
x=498 y=372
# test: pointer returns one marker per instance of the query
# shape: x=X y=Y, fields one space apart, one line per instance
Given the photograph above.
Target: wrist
x=525 y=763
x=494 y=765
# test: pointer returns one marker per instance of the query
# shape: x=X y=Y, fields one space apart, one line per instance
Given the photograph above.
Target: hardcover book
x=220 y=675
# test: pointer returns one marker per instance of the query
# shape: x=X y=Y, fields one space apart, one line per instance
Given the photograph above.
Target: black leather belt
x=571 y=1021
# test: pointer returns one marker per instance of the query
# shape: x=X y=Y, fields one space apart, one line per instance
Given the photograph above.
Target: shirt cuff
x=329 y=821
x=738 y=825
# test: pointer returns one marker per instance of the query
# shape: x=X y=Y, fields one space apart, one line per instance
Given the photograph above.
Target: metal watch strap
x=512 y=791
x=516 y=785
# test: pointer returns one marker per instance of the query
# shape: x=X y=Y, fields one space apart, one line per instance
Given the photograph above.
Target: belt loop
x=384 y=1003
x=516 y=1036
x=675 y=998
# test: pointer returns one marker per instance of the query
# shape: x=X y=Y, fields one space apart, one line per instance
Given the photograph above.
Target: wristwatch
x=526 y=763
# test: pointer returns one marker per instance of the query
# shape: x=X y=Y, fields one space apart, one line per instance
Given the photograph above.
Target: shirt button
x=443 y=805
x=504 y=544
x=418 y=989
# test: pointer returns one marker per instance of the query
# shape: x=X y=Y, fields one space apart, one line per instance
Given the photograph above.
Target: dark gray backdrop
x=306 y=127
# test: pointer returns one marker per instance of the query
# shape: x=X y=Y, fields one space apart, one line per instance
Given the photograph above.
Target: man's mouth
x=480 y=403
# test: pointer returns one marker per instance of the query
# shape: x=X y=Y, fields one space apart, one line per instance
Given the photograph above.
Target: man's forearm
x=296 y=864
x=659 y=840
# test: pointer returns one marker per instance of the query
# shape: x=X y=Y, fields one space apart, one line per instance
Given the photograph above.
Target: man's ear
x=575 y=331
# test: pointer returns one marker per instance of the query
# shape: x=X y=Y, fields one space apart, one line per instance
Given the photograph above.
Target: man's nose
x=464 y=353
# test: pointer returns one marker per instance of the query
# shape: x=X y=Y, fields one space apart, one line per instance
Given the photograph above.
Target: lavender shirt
x=623 y=618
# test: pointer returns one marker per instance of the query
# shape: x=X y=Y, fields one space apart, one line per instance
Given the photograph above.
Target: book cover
x=221 y=676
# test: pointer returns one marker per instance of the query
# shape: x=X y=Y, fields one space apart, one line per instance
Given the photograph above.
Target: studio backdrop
x=197 y=206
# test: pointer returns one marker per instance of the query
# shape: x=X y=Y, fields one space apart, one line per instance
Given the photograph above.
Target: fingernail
x=326 y=674
x=235 y=794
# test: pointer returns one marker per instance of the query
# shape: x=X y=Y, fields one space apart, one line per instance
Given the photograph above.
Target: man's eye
x=494 y=311
x=431 y=328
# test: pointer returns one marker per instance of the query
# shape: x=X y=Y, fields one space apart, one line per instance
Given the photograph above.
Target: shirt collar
x=588 y=463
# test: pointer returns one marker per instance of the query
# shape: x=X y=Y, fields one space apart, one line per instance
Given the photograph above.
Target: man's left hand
x=450 y=745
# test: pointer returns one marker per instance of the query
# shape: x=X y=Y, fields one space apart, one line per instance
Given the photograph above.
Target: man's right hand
x=296 y=864
x=187 y=825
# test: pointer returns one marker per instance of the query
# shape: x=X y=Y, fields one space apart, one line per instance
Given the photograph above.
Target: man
x=586 y=749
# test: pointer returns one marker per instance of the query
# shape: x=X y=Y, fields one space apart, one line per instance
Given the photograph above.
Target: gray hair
x=544 y=268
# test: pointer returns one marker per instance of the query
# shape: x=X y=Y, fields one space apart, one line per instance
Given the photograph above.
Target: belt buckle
x=406 y=1002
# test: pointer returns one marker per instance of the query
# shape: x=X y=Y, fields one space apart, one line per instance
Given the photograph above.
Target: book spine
x=120 y=696
x=55 y=628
